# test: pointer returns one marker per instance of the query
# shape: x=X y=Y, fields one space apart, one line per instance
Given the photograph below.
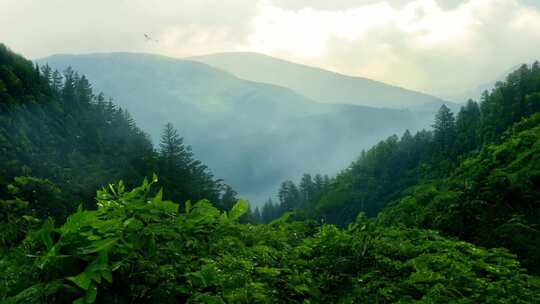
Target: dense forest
x=474 y=176
x=249 y=132
x=448 y=215
x=60 y=141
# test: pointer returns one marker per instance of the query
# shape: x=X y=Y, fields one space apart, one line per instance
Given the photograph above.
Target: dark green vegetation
x=434 y=201
x=59 y=142
x=253 y=135
x=475 y=177
x=137 y=248
x=491 y=199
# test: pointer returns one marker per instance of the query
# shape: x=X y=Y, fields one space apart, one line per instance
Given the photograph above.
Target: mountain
x=318 y=84
x=251 y=134
x=459 y=219
x=475 y=176
x=59 y=141
x=475 y=92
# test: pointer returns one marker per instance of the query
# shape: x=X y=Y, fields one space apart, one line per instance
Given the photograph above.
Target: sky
x=435 y=46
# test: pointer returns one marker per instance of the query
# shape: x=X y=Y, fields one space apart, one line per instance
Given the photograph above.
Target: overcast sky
x=435 y=46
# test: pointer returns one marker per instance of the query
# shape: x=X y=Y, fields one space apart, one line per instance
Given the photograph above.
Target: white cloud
x=306 y=32
x=419 y=44
x=431 y=45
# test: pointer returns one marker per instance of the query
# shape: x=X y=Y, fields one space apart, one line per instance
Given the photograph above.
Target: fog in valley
x=255 y=135
x=269 y=151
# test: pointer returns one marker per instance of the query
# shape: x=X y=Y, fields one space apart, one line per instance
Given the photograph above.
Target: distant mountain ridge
x=316 y=83
x=241 y=129
x=475 y=93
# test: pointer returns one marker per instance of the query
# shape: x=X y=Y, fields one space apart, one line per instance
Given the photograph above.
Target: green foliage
x=43 y=197
x=381 y=174
x=56 y=133
x=491 y=199
x=444 y=133
x=137 y=247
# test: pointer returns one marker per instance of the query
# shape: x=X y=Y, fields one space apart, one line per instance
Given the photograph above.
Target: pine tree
x=289 y=196
x=468 y=128
x=269 y=212
x=57 y=82
x=228 y=198
x=307 y=190
x=256 y=217
x=46 y=71
x=84 y=91
x=444 y=132
x=179 y=171
x=174 y=163
x=174 y=155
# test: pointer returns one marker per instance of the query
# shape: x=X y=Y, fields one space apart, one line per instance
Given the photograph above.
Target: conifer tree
x=307 y=190
x=468 y=127
x=228 y=198
x=444 y=132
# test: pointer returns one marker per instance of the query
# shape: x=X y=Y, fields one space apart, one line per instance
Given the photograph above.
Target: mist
x=408 y=43
x=269 y=151
x=253 y=135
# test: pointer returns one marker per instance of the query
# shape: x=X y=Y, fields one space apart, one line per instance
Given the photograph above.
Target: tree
x=84 y=91
x=69 y=94
x=307 y=190
x=173 y=154
x=255 y=216
x=47 y=73
x=57 y=82
x=174 y=162
x=444 y=132
x=188 y=178
x=468 y=128
x=270 y=211
x=42 y=196
x=289 y=196
x=228 y=198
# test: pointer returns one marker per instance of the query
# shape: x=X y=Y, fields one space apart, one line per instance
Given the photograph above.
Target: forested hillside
x=491 y=199
x=60 y=141
x=448 y=215
x=137 y=248
x=474 y=176
x=253 y=135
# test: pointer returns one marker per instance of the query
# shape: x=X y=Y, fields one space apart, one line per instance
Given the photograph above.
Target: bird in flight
x=149 y=38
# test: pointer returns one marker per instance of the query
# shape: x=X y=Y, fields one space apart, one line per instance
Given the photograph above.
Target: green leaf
x=91 y=294
x=282 y=219
x=165 y=206
x=239 y=209
x=83 y=280
x=79 y=301
x=158 y=197
x=99 y=245
x=188 y=207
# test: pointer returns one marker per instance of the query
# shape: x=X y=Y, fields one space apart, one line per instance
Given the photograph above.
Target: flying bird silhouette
x=149 y=38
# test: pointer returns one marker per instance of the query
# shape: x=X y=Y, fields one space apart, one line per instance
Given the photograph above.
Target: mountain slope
x=474 y=176
x=241 y=129
x=491 y=199
x=157 y=88
x=475 y=93
x=317 y=84
x=55 y=133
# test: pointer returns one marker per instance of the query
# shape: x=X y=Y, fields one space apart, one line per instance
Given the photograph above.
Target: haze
x=418 y=44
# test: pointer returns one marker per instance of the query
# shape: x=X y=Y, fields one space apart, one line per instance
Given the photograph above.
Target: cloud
x=306 y=32
x=40 y=28
x=420 y=44
x=434 y=46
